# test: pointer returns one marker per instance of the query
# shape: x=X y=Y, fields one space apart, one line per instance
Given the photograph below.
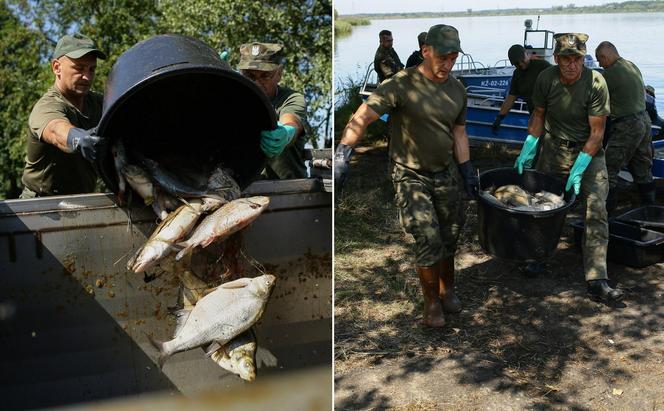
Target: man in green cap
x=386 y=60
x=430 y=154
x=571 y=103
x=523 y=81
x=627 y=138
x=284 y=146
x=61 y=140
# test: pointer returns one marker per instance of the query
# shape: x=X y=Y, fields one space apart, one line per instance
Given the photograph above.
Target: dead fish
x=180 y=188
x=210 y=204
x=230 y=218
x=120 y=161
x=220 y=316
x=174 y=227
x=546 y=197
x=238 y=356
x=512 y=195
x=140 y=181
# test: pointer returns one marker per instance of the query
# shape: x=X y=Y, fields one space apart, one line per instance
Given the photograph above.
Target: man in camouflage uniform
x=416 y=58
x=284 y=146
x=61 y=144
x=571 y=103
x=428 y=148
x=627 y=136
x=523 y=81
x=651 y=107
x=386 y=60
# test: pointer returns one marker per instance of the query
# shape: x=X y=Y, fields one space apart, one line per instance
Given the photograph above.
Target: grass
x=344 y=26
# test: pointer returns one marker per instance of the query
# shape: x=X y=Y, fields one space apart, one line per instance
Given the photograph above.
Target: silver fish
x=140 y=181
x=220 y=316
x=159 y=245
x=516 y=198
x=238 y=356
x=230 y=218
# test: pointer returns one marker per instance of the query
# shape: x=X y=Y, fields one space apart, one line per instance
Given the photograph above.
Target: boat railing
x=502 y=63
x=466 y=65
x=491 y=97
x=370 y=82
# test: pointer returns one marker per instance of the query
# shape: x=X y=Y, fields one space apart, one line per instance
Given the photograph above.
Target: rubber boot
x=451 y=303
x=647 y=192
x=611 y=202
x=600 y=290
x=433 y=309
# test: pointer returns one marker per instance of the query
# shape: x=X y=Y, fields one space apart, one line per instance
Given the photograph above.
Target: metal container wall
x=173 y=99
x=73 y=320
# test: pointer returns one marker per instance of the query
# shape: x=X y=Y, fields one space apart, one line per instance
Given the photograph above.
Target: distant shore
x=625 y=7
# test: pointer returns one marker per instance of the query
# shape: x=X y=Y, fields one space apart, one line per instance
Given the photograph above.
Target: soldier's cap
x=421 y=38
x=444 y=39
x=650 y=89
x=569 y=44
x=260 y=56
x=76 y=46
x=516 y=54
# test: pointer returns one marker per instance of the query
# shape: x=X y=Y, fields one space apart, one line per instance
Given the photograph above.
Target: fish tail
x=182 y=252
x=159 y=345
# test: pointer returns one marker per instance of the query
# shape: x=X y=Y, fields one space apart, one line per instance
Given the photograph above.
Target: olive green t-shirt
x=49 y=170
x=568 y=106
x=290 y=163
x=423 y=115
x=625 y=88
x=523 y=81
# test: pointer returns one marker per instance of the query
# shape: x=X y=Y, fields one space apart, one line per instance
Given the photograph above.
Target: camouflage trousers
x=557 y=160
x=429 y=210
x=630 y=144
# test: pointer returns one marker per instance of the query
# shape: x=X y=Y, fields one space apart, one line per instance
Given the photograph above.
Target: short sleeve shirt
x=523 y=81
x=49 y=170
x=424 y=114
x=626 y=88
x=568 y=106
x=290 y=163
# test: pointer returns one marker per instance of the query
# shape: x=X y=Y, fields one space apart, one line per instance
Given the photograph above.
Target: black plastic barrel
x=172 y=99
x=526 y=236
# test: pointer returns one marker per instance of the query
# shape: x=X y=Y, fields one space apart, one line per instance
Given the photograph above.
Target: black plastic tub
x=526 y=236
x=649 y=217
x=172 y=99
x=628 y=244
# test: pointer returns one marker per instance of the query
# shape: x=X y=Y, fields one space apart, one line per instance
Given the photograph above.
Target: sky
x=397 y=6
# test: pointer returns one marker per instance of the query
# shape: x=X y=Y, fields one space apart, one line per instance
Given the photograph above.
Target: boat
x=488 y=86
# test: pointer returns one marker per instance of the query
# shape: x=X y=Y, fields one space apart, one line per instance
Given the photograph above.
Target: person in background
x=416 y=58
x=61 y=142
x=386 y=60
x=651 y=107
x=263 y=64
x=571 y=103
x=429 y=154
x=627 y=137
x=523 y=81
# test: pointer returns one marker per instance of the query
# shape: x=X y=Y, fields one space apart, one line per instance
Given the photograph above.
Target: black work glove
x=469 y=175
x=341 y=164
x=496 y=124
x=86 y=142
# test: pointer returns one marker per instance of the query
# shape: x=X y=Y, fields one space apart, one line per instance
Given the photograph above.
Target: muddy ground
x=519 y=343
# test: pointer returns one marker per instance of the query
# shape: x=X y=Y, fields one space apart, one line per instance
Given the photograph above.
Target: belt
x=627 y=117
x=564 y=143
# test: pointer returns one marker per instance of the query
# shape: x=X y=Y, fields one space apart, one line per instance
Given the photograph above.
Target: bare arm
x=461 y=150
x=358 y=124
x=536 y=122
x=594 y=143
x=292 y=120
x=507 y=105
x=56 y=132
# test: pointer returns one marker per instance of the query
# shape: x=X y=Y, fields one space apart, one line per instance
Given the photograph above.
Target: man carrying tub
x=571 y=104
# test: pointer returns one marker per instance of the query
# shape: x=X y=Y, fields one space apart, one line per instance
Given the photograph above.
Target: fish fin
x=182 y=252
x=264 y=358
x=239 y=283
x=212 y=348
x=181 y=317
x=159 y=345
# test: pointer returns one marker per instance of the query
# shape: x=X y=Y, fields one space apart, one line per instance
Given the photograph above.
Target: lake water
x=638 y=38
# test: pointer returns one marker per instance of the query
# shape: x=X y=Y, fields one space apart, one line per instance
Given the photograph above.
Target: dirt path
x=519 y=343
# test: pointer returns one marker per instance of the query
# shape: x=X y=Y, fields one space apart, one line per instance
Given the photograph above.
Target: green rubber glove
x=580 y=165
x=527 y=154
x=225 y=55
x=274 y=141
